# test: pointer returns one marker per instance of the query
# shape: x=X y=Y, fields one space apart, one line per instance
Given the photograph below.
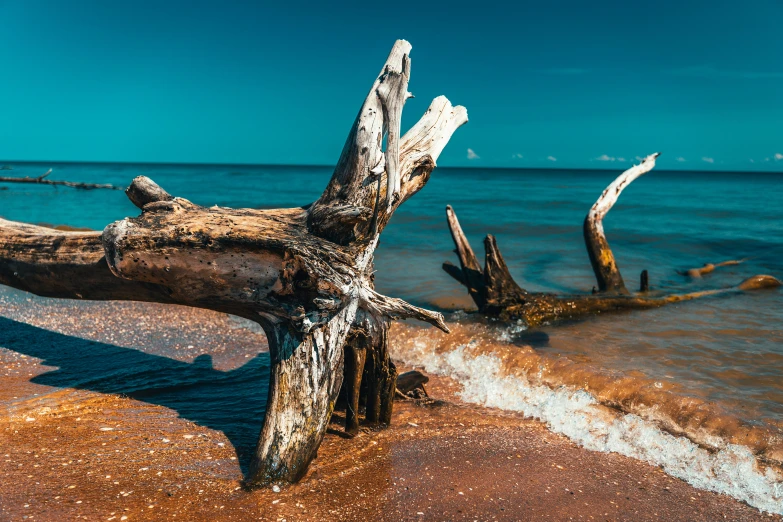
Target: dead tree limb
x=709 y=268
x=304 y=274
x=601 y=258
x=496 y=294
x=41 y=180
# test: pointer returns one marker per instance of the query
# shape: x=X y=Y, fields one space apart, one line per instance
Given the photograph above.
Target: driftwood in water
x=304 y=274
x=709 y=268
x=41 y=180
x=497 y=294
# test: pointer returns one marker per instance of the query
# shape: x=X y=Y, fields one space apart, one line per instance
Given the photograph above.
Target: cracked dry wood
x=496 y=294
x=304 y=274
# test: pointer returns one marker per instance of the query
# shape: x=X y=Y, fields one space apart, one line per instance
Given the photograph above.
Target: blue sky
x=558 y=84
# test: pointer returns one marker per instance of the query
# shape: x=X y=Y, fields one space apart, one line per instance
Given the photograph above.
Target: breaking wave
x=601 y=411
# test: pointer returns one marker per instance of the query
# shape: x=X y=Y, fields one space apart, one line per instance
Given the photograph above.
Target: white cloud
x=778 y=156
x=604 y=157
x=680 y=159
x=639 y=158
x=517 y=156
x=752 y=160
x=551 y=158
x=708 y=160
x=472 y=155
x=620 y=159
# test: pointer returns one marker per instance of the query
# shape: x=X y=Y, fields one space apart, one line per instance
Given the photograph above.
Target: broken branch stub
x=304 y=274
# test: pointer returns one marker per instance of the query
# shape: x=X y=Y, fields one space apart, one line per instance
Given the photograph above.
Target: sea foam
x=732 y=470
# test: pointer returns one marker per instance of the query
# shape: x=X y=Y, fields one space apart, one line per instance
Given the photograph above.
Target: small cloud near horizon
x=680 y=159
x=708 y=160
x=517 y=156
x=778 y=156
x=551 y=158
x=472 y=155
x=606 y=157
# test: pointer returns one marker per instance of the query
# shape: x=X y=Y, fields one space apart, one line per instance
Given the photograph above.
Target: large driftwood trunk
x=496 y=294
x=304 y=274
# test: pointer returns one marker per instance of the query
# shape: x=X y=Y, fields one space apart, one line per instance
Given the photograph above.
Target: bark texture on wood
x=70 y=265
x=356 y=349
x=304 y=274
x=496 y=294
x=471 y=276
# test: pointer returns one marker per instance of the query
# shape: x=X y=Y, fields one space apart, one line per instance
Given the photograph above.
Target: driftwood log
x=709 y=268
x=304 y=274
x=496 y=294
x=41 y=180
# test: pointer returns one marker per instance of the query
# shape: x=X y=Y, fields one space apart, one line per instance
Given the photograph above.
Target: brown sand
x=77 y=454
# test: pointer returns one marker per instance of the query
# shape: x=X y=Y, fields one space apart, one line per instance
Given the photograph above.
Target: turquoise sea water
x=665 y=220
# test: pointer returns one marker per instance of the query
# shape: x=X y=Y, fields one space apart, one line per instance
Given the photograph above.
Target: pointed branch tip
x=396 y=308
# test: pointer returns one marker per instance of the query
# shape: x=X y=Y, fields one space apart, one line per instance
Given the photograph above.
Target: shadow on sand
x=232 y=402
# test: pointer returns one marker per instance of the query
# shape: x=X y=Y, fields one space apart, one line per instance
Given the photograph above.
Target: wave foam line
x=732 y=470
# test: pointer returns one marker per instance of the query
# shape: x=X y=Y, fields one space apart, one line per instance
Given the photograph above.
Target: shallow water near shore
x=709 y=372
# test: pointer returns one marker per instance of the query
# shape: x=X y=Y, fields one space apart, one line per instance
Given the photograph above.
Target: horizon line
x=315 y=165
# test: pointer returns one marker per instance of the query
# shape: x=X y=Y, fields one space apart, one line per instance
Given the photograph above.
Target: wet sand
x=81 y=454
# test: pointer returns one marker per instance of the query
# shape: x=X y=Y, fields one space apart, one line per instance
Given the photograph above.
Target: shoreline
x=117 y=457
x=454 y=461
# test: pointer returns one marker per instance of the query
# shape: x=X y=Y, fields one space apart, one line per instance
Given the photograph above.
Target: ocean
x=695 y=387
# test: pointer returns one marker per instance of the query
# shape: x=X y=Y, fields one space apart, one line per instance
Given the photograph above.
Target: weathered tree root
x=304 y=274
x=41 y=180
x=496 y=294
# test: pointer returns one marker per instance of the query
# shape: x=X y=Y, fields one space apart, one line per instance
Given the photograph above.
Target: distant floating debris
x=41 y=180
x=708 y=268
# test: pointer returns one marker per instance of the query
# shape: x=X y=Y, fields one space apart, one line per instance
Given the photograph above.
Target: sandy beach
x=72 y=452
